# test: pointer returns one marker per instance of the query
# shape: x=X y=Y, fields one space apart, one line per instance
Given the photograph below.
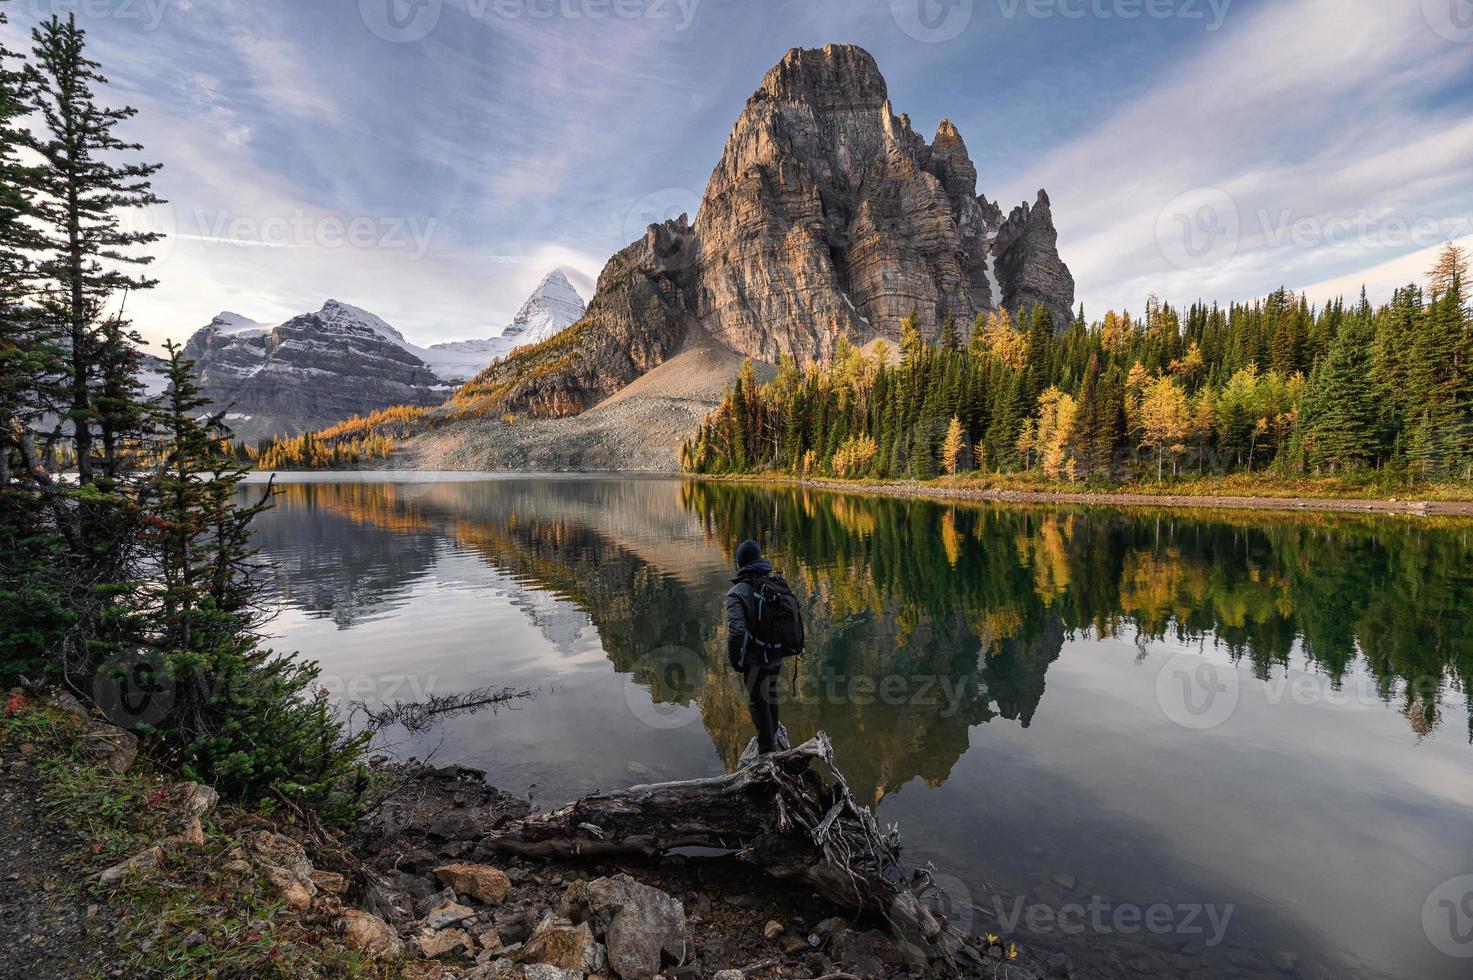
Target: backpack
x=774 y=619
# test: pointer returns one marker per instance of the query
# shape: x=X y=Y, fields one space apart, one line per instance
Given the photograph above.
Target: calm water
x=1125 y=734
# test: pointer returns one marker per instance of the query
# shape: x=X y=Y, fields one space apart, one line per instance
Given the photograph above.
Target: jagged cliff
x=827 y=215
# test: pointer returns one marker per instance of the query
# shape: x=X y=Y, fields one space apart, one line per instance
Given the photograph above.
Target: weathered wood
x=781 y=815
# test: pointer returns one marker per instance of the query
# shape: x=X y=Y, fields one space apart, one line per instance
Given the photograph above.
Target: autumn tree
x=1163 y=420
x=954 y=447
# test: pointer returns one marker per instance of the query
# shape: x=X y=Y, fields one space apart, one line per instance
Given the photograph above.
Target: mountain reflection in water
x=934 y=632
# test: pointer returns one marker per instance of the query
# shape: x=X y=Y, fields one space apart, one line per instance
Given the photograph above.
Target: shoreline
x=934 y=491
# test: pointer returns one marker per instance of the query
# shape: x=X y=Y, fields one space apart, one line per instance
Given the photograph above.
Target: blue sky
x=431 y=167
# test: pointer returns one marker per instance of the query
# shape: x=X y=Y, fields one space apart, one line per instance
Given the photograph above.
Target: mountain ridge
x=321 y=367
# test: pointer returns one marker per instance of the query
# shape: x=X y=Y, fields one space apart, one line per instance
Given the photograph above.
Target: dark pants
x=762 y=703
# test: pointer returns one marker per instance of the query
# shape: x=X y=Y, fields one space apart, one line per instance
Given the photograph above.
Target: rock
x=196 y=799
x=546 y=971
x=194 y=832
x=561 y=943
x=142 y=862
x=728 y=975
x=447 y=915
x=66 y=701
x=365 y=931
x=867 y=952
x=237 y=866
x=279 y=851
x=480 y=881
x=436 y=943
x=296 y=891
x=637 y=922
x=772 y=930
x=330 y=882
x=114 y=747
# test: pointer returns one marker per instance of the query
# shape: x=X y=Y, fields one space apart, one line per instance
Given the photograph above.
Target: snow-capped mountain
x=322 y=367
x=553 y=307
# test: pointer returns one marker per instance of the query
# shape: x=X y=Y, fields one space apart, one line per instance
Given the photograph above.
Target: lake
x=1168 y=743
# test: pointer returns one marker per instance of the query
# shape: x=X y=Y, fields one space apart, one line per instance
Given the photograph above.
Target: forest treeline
x=126 y=562
x=1274 y=385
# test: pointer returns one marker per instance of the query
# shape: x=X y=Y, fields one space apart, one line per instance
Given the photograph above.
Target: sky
x=431 y=160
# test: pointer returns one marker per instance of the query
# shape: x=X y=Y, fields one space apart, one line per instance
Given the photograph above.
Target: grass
x=193 y=917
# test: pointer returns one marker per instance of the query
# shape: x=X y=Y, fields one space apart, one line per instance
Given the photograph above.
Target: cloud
x=1308 y=115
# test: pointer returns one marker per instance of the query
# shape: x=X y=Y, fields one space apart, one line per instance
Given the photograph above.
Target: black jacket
x=739 y=604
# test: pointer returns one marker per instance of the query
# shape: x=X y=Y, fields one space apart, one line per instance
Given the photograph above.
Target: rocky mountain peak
x=833 y=77
x=827 y=216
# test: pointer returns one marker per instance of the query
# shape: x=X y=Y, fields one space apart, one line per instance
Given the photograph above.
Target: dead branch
x=779 y=814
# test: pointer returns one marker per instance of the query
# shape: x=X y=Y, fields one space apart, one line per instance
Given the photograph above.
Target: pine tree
x=81 y=191
x=1341 y=407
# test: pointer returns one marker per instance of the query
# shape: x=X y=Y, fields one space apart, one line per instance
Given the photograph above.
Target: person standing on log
x=764 y=624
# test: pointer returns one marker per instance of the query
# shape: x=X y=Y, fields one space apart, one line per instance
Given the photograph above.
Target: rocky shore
x=119 y=871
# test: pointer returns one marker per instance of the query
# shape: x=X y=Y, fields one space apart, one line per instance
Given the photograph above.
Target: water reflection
x=1347 y=643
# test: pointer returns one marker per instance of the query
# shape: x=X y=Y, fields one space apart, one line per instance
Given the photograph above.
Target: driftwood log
x=782 y=815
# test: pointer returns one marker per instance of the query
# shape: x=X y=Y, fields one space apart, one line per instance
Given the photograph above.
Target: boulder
x=559 y=942
x=546 y=971
x=480 y=881
x=436 y=943
x=281 y=852
x=330 y=882
x=144 y=861
x=637 y=922
x=867 y=952
x=444 y=916
x=365 y=931
x=296 y=891
x=114 y=747
x=196 y=799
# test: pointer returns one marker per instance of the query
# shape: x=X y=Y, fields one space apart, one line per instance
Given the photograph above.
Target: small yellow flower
x=1012 y=951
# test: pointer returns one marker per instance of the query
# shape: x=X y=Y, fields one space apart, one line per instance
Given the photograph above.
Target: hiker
x=763 y=625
